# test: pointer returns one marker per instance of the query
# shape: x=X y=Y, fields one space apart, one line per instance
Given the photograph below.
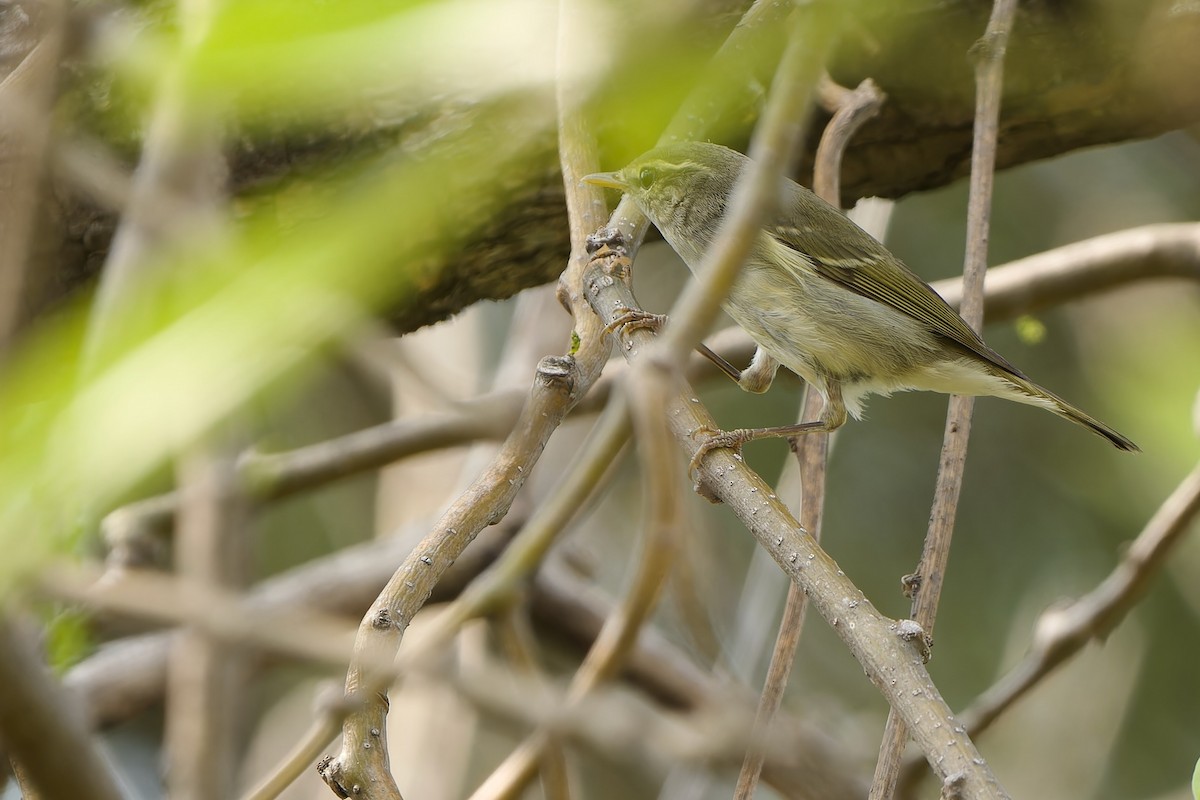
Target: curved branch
x=1081 y=269
x=1065 y=274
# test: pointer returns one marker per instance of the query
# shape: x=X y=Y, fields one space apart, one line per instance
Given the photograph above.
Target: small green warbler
x=823 y=298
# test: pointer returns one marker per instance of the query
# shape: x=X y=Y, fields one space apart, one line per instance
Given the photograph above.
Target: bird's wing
x=857 y=262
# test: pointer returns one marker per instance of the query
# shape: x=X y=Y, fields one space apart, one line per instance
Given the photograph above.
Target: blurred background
x=302 y=185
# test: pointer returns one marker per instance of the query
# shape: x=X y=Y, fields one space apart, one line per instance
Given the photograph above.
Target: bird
x=822 y=297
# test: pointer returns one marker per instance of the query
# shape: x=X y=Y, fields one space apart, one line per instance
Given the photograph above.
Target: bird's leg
x=733 y=372
x=632 y=319
x=832 y=417
x=759 y=376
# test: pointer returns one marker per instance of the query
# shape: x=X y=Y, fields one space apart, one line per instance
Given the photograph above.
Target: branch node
x=331 y=772
x=989 y=47
x=608 y=236
x=952 y=787
x=557 y=372
x=910 y=631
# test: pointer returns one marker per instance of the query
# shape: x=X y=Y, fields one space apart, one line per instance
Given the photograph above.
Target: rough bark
x=1080 y=74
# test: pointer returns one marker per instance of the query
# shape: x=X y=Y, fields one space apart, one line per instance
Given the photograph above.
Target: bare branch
x=1081 y=269
x=557 y=384
x=926 y=585
x=331 y=708
x=1063 y=631
x=502 y=583
x=812 y=450
x=265 y=477
x=850 y=110
x=293 y=631
x=651 y=565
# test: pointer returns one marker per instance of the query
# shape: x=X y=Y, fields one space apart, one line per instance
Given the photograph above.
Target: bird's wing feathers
x=862 y=268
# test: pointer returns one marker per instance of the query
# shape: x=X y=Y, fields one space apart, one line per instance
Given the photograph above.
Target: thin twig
x=812 y=451
x=854 y=108
x=484 y=502
x=266 y=477
x=1061 y=632
x=926 y=585
x=331 y=708
x=1081 y=269
x=499 y=585
x=295 y=631
x=181 y=158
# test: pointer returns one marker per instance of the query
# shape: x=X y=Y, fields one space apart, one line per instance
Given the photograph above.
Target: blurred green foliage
x=69 y=638
x=219 y=320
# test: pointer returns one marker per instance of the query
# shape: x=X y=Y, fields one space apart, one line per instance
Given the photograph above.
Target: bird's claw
x=716 y=440
x=634 y=318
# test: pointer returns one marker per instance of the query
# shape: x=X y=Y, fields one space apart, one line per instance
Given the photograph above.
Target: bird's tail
x=1036 y=395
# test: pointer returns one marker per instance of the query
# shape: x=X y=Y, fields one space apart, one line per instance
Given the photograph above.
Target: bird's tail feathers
x=1036 y=395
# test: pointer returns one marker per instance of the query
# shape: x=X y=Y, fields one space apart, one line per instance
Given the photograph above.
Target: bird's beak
x=609 y=180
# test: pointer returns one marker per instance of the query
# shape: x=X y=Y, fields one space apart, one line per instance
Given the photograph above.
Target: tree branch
x=1061 y=632
x=925 y=587
x=811 y=450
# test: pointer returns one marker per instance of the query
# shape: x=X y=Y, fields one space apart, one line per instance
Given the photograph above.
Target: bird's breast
x=824 y=332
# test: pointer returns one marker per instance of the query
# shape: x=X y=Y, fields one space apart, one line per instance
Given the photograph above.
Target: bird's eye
x=647 y=176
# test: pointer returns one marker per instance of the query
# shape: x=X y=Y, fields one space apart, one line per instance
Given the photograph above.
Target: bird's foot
x=718 y=440
x=733 y=440
x=630 y=319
